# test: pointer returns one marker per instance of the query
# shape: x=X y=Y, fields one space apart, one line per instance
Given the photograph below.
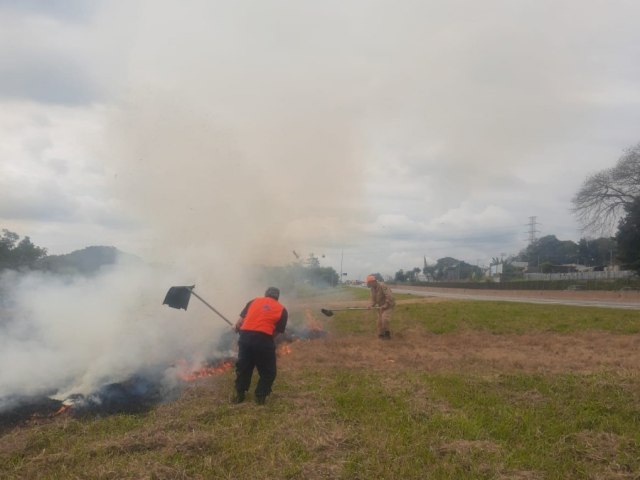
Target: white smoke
x=69 y=335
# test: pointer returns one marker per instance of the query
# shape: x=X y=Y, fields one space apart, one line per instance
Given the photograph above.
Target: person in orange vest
x=382 y=297
x=261 y=320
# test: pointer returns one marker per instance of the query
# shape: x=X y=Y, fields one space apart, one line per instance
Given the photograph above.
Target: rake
x=329 y=313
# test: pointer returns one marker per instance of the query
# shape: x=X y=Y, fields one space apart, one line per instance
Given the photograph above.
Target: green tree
x=16 y=254
x=550 y=249
x=26 y=253
x=411 y=274
x=321 y=276
x=510 y=271
x=312 y=261
x=444 y=267
x=628 y=237
x=7 y=244
x=289 y=277
x=400 y=276
x=452 y=270
x=546 y=267
x=593 y=252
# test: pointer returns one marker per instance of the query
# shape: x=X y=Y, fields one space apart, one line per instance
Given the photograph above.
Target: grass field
x=491 y=390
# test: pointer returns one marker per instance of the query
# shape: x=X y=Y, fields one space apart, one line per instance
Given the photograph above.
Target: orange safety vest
x=262 y=315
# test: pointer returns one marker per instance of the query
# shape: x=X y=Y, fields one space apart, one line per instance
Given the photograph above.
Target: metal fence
x=613 y=275
x=547 y=281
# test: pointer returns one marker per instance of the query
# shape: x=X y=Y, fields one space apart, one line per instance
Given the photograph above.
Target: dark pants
x=256 y=349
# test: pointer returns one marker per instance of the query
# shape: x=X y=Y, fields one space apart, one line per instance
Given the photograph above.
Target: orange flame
x=189 y=375
x=284 y=349
x=62 y=409
x=312 y=321
x=315 y=327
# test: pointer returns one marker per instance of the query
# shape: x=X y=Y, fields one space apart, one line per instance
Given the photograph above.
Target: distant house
x=565 y=268
x=421 y=277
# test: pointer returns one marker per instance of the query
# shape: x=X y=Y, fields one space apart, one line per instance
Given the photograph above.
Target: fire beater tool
x=329 y=313
x=178 y=297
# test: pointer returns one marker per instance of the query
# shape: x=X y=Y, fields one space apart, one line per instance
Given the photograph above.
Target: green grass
x=329 y=420
x=455 y=426
x=361 y=293
x=499 y=318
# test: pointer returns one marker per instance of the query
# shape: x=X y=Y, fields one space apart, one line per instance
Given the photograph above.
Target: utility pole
x=341 y=257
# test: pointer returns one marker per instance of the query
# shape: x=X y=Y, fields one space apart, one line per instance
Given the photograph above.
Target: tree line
x=304 y=272
x=22 y=255
x=16 y=254
x=541 y=255
x=608 y=201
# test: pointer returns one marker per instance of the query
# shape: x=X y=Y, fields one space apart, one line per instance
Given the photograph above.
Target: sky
x=372 y=134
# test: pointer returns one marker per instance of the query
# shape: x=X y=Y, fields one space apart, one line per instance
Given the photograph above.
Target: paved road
x=628 y=304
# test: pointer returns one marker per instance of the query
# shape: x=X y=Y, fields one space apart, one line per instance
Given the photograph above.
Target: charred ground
x=464 y=389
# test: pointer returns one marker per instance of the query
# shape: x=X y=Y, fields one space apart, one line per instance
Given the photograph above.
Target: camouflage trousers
x=384 y=317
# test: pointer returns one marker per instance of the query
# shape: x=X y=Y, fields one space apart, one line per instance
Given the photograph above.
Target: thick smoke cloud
x=269 y=120
x=236 y=143
x=71 y=335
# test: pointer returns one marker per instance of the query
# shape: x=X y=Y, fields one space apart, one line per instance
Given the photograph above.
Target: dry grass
x=464 y=404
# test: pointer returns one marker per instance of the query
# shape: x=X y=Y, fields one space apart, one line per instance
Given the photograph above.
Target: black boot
x=387 y=335
x=238 y=397
x=261 y=399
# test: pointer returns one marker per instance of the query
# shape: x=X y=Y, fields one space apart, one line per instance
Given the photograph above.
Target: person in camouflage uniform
x=382 y=297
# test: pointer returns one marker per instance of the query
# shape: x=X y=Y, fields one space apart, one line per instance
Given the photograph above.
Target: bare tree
x=601 y=201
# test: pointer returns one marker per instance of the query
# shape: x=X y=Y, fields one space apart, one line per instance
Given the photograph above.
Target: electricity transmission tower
x=532 y=229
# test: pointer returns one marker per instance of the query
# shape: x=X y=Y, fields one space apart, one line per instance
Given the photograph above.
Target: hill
x=87 y=261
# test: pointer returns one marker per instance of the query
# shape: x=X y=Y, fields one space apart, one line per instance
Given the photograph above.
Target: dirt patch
x=477 y=352
x=467 y=446
x=474 y=352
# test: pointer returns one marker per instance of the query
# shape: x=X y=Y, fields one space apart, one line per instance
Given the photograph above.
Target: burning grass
x=457 y=393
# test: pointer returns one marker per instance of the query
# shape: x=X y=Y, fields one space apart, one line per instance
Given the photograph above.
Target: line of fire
x=147 y=388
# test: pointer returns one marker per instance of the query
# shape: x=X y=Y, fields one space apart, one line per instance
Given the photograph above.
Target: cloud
x=52 y=178
x=64 y=10
x=466 y=218
x=47 y=78
x=250 y=130
x=43 y=202
x=53 y=53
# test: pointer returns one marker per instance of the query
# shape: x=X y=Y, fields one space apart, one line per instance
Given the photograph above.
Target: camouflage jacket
x=382 y=296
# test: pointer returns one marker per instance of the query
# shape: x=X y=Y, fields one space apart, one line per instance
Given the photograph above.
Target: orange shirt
x=264 y=314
